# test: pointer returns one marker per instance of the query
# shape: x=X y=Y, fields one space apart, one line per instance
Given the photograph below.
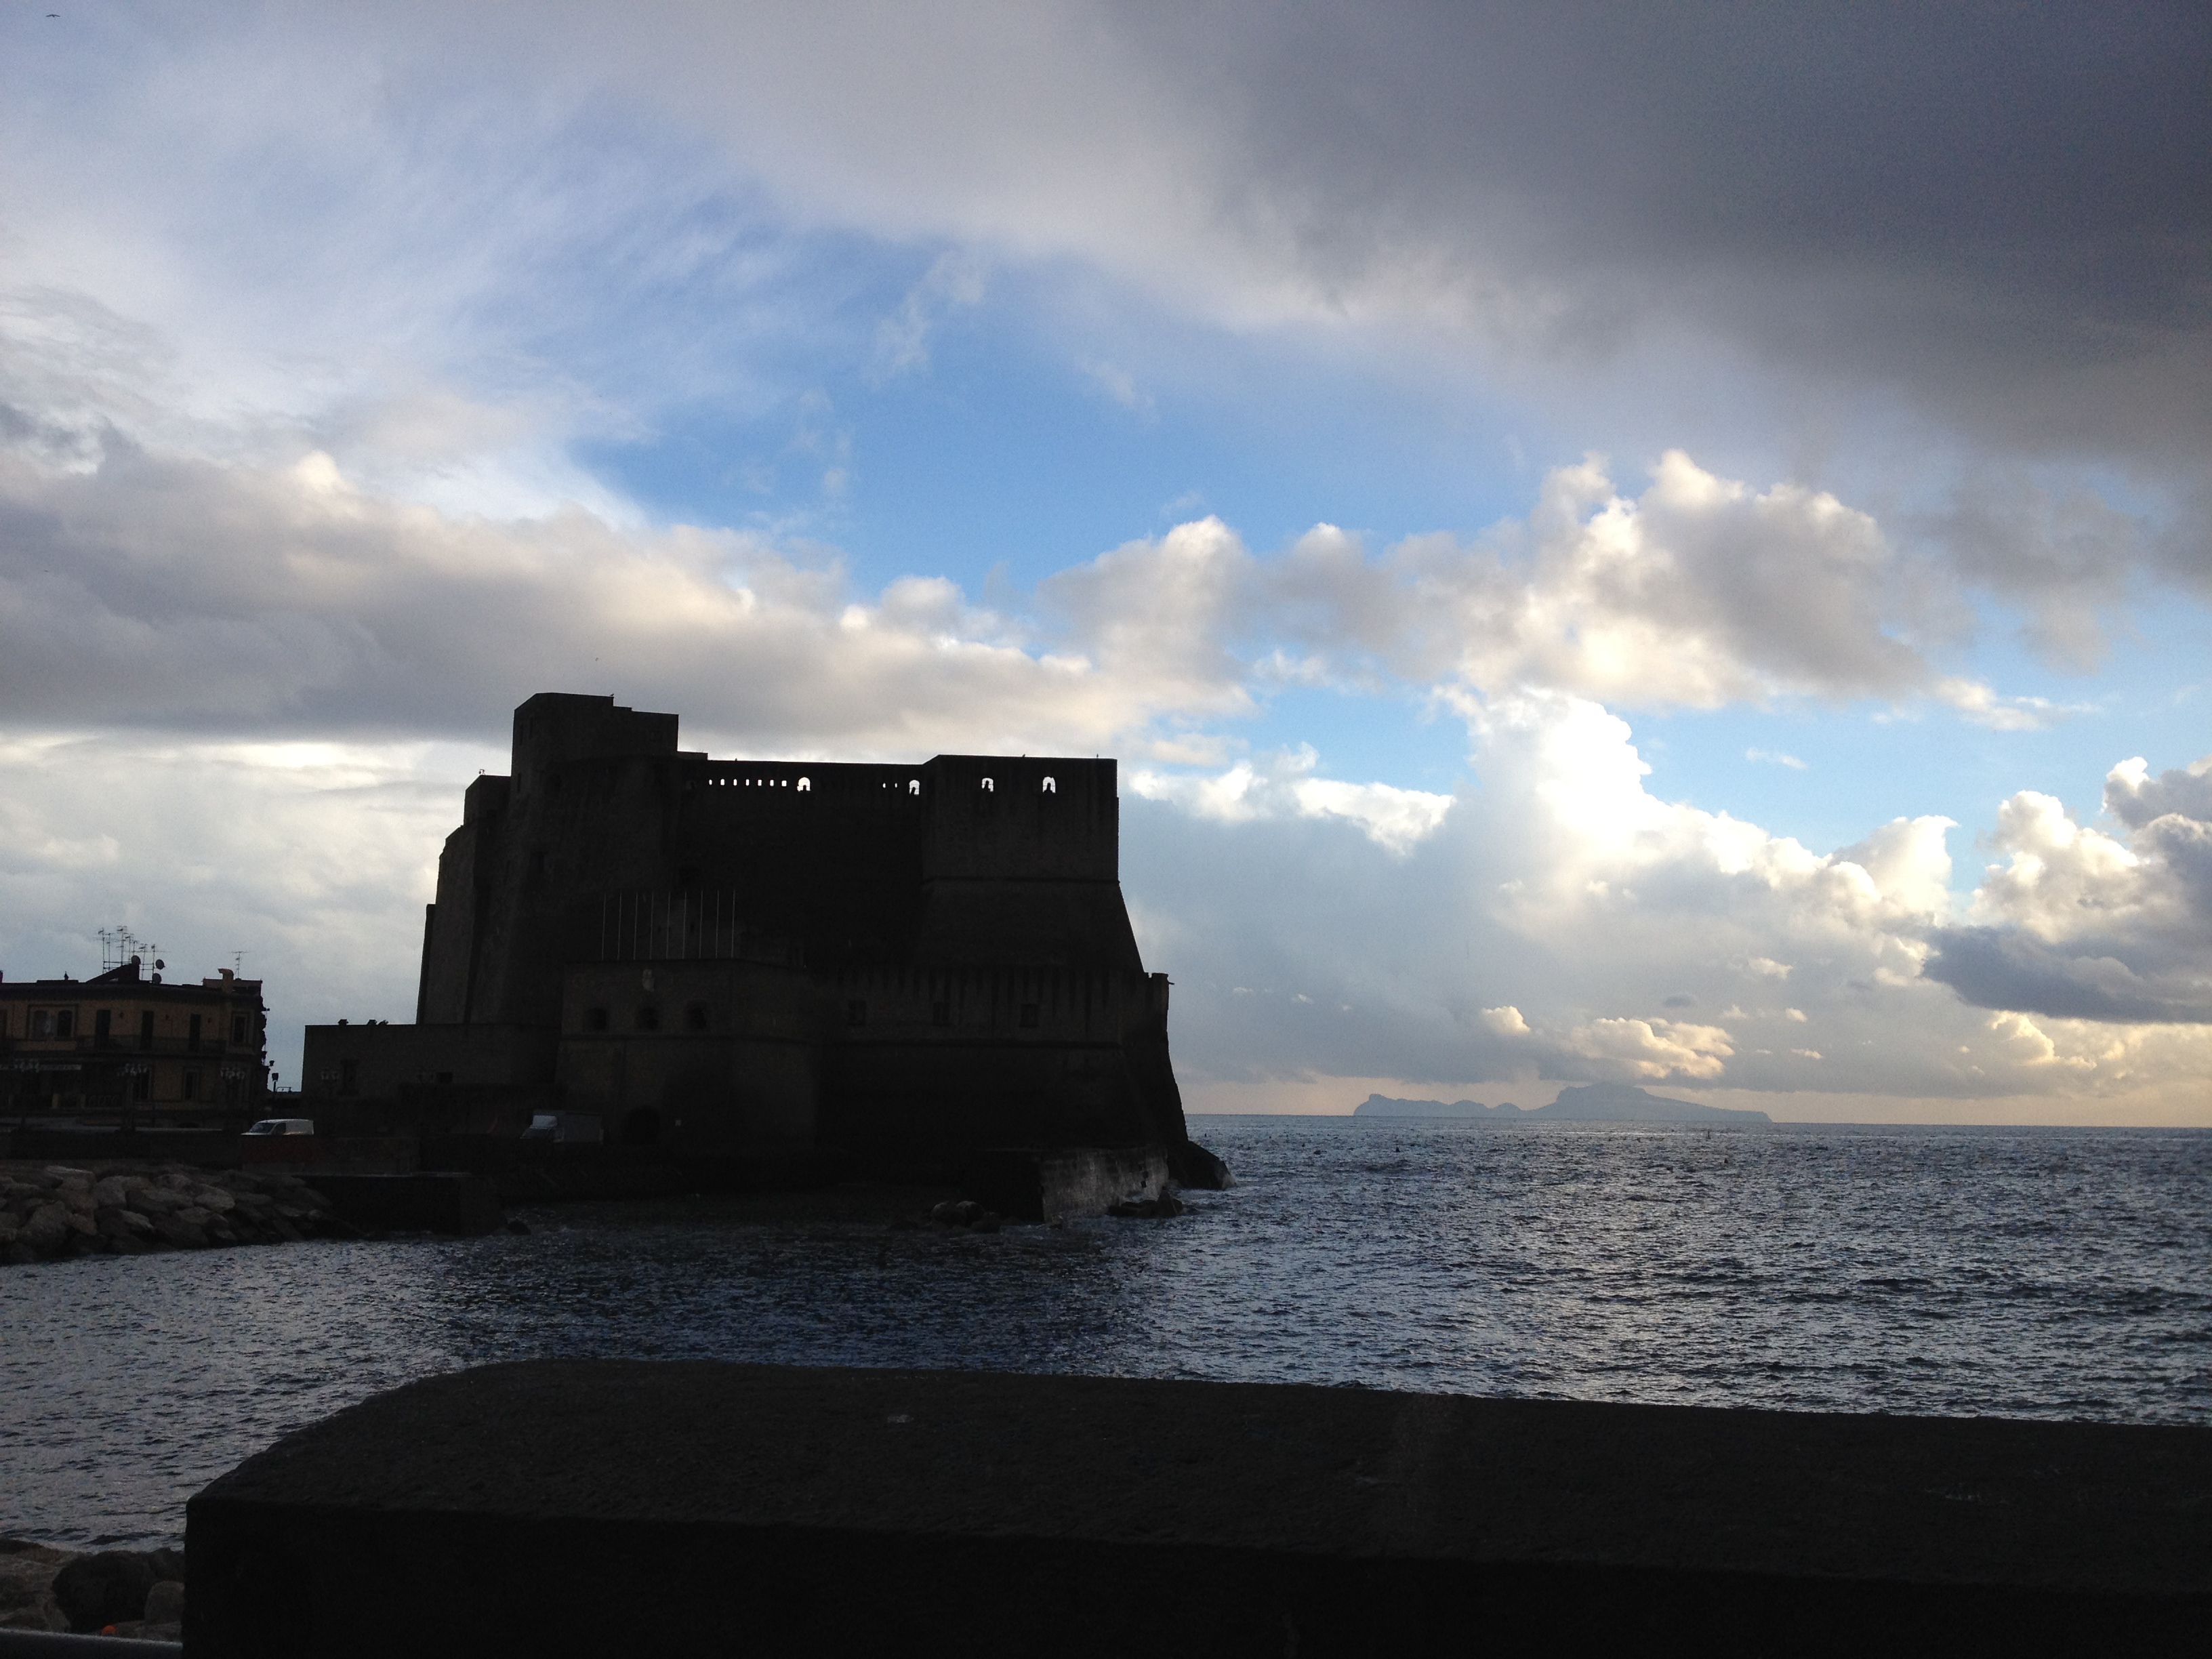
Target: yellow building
x=125 y=1047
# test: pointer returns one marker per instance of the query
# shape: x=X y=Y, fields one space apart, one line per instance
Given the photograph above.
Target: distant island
x=1594 y=1102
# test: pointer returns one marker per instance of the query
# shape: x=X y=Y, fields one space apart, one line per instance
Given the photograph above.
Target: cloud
x=1642 y=1049
x=1118 y=383
x=2138 y=799
x=1774 y=758
x=2089 y=925
x=1877 y=203
x=954 y=281
x=1985 y=707
x=1556 y=906
x=1279 y=785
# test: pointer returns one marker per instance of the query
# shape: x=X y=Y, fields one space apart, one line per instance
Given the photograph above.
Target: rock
x=517 y=1224
x=1147 y=1209
x=46 y=1230
x=213 y=1198
x=177 y=1230
x=99 y=1590
x=80 y=1223
x=165 y=1602
x=109 y=1192
x=193 y=1215
x=26 y=1582
x=127 y=1245
x=17 y=1254
x=1194 y=1167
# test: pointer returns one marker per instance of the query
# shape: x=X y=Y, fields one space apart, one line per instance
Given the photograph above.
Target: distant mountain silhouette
x=1594 y=1102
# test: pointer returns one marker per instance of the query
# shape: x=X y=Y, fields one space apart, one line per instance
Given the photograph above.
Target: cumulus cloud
x=1642 y=1049
x=1395 y=819
x=2088 y=924
x=1558 y=918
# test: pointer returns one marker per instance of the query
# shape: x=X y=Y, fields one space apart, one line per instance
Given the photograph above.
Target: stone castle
x=724 y=955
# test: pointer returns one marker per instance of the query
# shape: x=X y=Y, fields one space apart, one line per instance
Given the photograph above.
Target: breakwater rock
x=51 y=1212
x=132 y=1592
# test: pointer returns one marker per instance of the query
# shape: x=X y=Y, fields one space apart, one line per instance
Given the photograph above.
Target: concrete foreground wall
x=630 y=1507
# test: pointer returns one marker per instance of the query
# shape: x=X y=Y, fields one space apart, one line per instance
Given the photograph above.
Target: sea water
x=2017 y=1273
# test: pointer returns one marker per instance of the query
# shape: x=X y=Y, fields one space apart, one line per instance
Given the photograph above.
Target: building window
x=146 y=1028
x=193 y=1085
x=65 y=1023
x=914 y=786
x=595 y=1019
x=192 y=1036
x=348 y=1079
x=940 y=1013
x=42 y=1022
x=806 y=783
x=142 y=1086
x=103 y=1025
x=648 y=1018
x=238 y=1028
x=856 y=1013
x=1051 y=787
x=1029 y=1014
x=694 y=1018
x=989 y=787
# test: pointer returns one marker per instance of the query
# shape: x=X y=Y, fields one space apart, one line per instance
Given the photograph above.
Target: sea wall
x=632 y=1507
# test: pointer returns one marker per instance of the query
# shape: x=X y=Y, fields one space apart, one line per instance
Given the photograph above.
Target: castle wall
x=613 y=871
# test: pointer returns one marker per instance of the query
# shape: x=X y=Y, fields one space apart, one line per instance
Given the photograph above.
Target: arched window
x=1050 y=787
x=806 y=783
x=913 y=787
x=990 y=786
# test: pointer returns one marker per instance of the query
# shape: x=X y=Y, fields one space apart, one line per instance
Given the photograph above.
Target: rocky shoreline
x=55 y=1211
x=138 y=1593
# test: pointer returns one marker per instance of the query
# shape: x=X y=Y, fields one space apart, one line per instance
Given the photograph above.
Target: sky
x=1661 y=544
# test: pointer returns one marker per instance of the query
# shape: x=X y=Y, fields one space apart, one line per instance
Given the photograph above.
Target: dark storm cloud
x=2009 y=971
x=2006 y=210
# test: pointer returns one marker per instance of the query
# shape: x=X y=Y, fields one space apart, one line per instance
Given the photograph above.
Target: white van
x=284 y=1126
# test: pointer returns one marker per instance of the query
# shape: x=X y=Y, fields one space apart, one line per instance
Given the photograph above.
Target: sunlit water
x=2015 y=1272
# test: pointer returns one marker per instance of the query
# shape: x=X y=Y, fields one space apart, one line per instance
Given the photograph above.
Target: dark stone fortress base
x=899 y=965
x=625 y=1507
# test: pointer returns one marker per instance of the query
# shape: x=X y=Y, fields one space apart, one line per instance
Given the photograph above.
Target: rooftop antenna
x=238 y=964
x=119 y=944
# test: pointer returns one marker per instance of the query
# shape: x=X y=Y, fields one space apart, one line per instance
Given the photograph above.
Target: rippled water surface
x=2017 y=1273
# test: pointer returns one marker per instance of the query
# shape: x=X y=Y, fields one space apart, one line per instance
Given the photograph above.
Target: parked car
x=566 y=1128
x=284 y=1126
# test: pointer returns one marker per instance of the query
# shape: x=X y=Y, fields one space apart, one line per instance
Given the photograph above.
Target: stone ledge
x=557 y=1504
